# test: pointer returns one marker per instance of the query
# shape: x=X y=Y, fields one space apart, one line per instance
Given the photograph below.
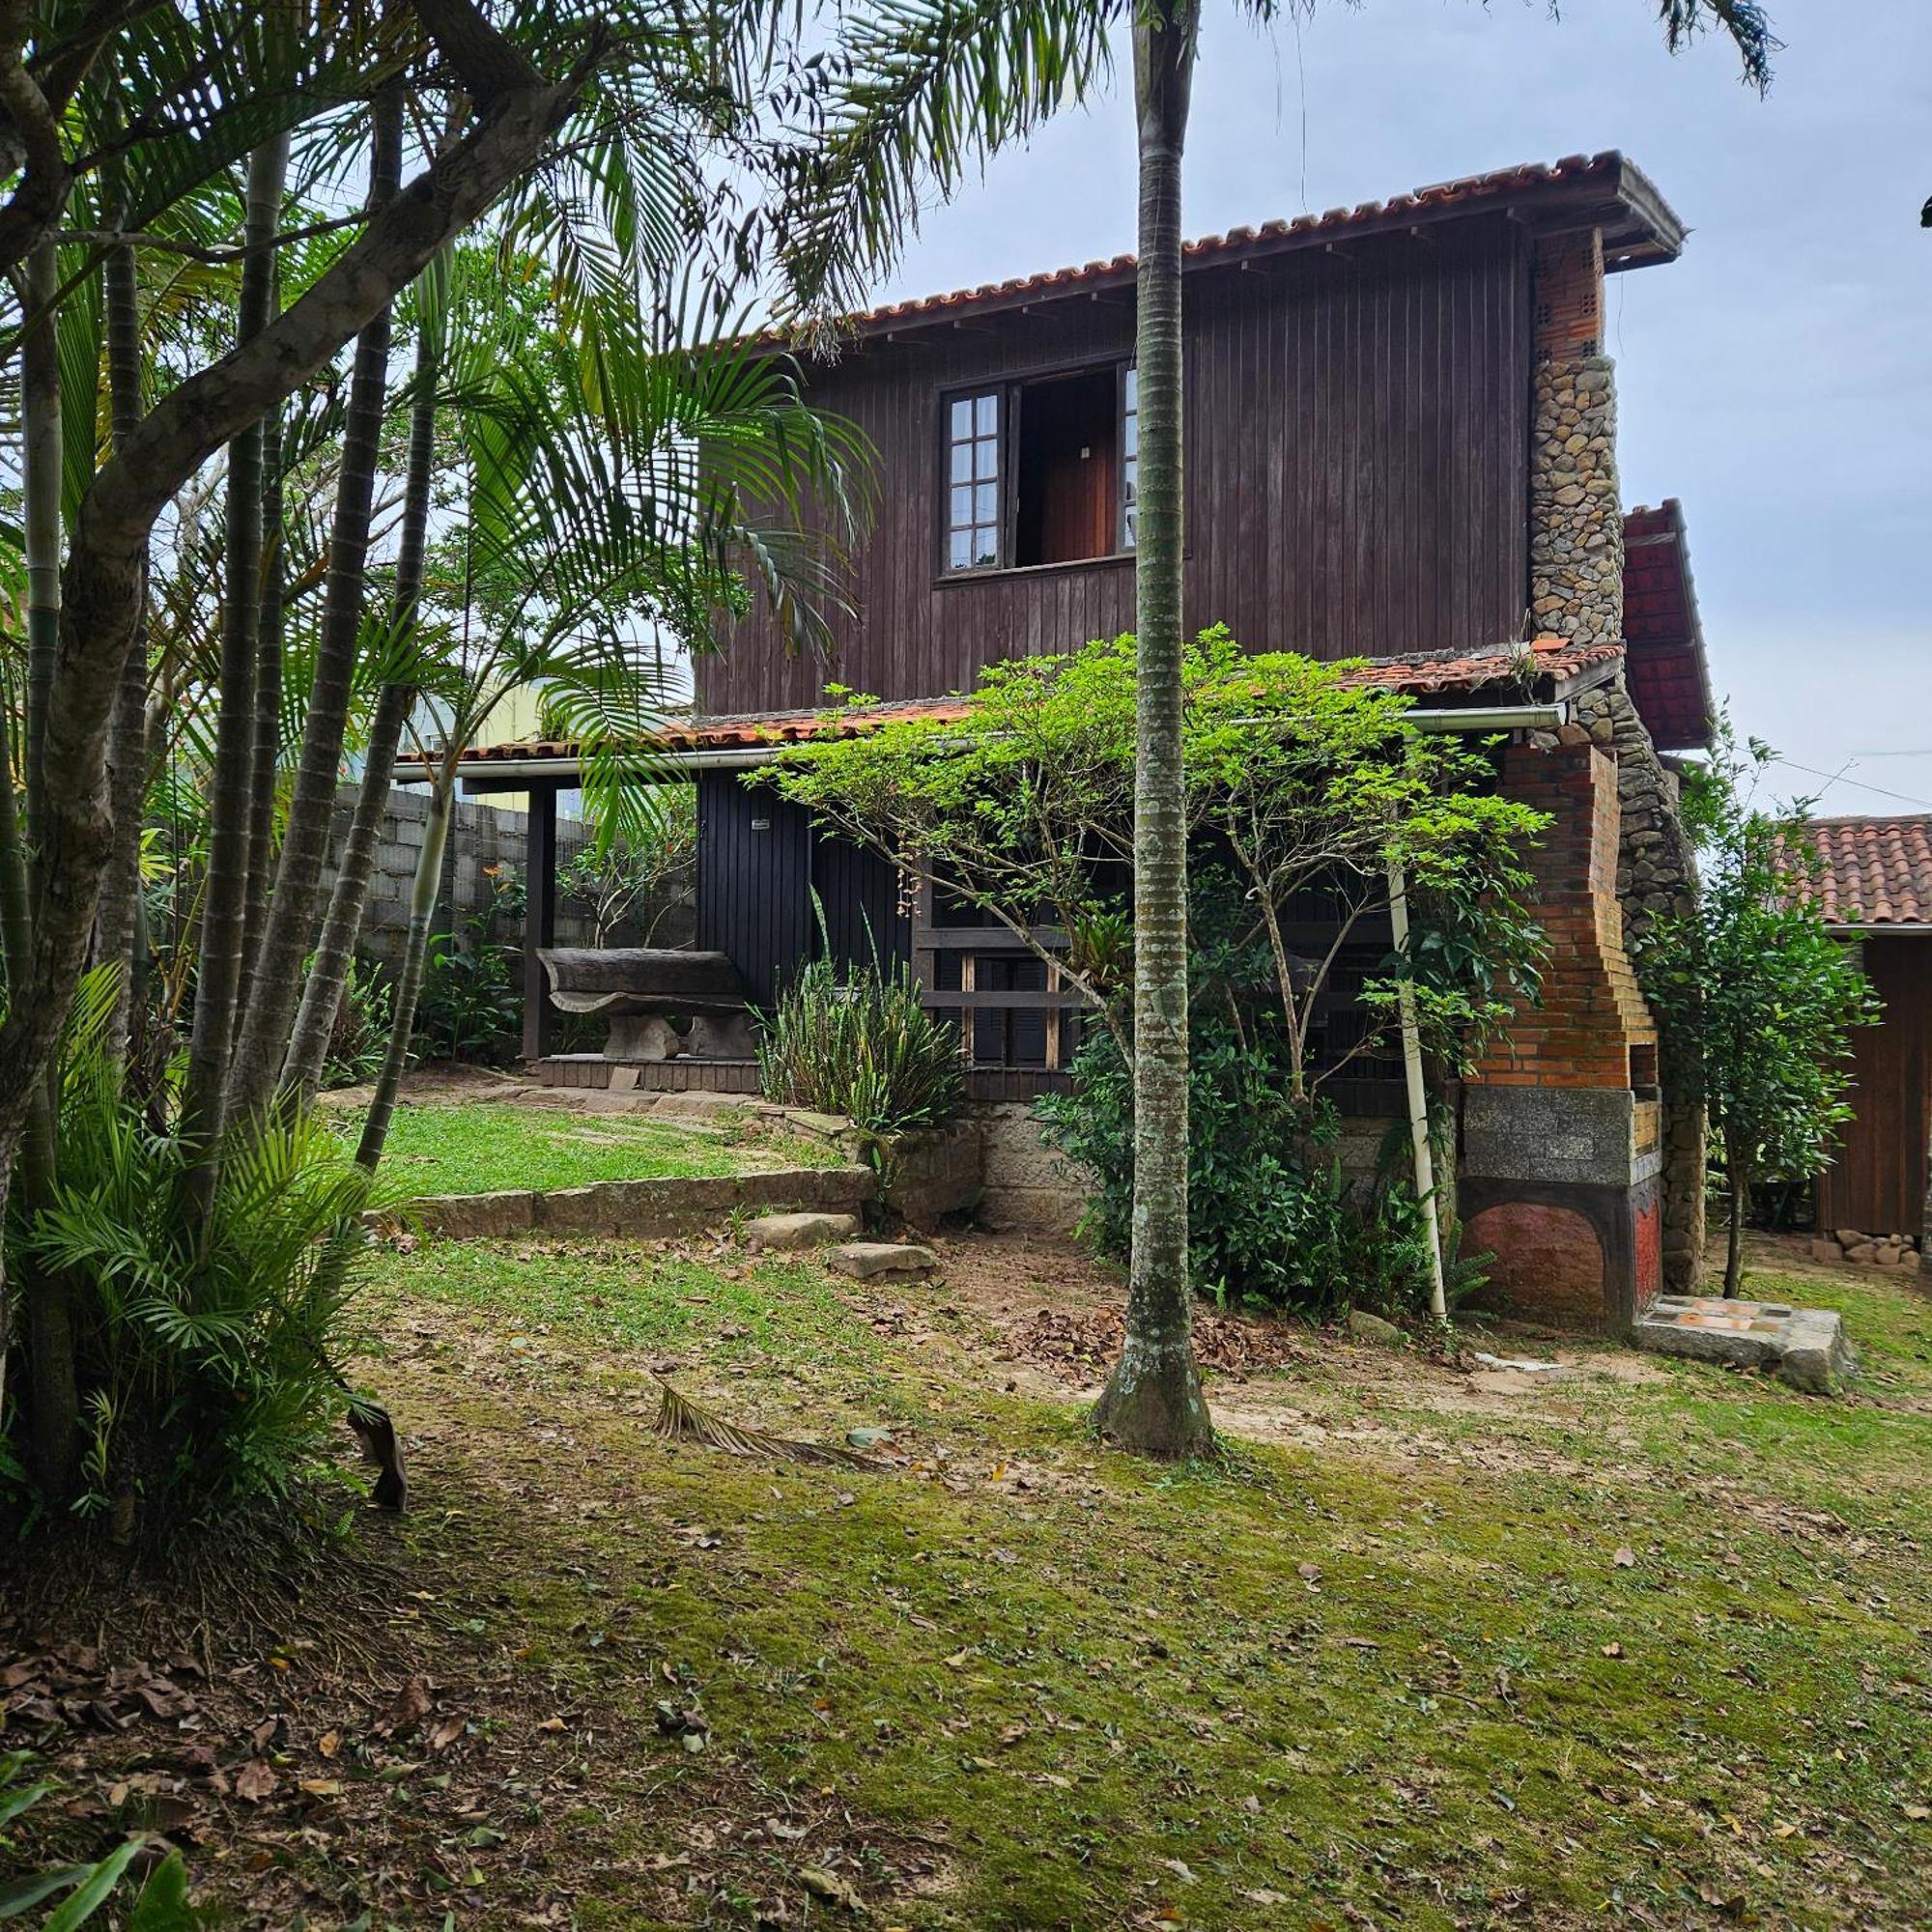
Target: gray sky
x=1777 y=379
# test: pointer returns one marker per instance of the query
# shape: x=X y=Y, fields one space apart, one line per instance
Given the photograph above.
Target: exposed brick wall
x=1592 y=1012
x=1656 y=876
x=1569 y=286
x=1548 y=1263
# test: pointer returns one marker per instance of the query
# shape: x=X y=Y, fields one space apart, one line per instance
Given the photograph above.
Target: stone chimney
x=1575 y=516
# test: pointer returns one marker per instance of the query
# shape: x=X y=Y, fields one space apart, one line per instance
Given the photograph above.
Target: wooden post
x=539 y=918
x=1418 y=1098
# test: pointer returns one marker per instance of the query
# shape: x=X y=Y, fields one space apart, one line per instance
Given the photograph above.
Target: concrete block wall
x=482 y=837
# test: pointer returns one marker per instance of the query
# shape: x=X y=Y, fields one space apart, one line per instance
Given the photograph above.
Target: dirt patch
x=440 y=1083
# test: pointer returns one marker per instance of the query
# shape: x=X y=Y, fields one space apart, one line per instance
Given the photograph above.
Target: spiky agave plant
x=209 y=1347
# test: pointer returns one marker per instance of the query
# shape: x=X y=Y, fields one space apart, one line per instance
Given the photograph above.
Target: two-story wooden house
x=1400 y=445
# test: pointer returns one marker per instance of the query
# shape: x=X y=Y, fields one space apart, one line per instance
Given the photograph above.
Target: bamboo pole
x=1418 y=1098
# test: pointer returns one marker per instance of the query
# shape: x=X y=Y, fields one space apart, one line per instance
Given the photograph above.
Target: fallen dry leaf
x=255 y=1781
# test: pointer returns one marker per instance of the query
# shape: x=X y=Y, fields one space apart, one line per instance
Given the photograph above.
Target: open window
x=1041 y=471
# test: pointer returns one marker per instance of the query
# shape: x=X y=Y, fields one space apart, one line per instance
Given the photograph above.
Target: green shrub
x=361 y=1029
x=205 y=1342
x=1273 y=1220
x=865 y=1048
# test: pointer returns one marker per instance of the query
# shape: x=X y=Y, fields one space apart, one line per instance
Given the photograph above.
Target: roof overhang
x=1605 y=192
x=1509 y=688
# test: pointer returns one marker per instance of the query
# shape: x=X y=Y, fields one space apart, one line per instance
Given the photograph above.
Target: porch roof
x=1549 y=671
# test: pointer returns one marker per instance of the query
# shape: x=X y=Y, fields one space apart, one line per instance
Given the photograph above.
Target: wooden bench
x=663 y=1003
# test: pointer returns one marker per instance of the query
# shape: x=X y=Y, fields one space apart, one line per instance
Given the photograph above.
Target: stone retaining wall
x=635 y=1209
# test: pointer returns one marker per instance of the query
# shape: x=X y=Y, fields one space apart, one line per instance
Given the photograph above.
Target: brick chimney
x=1576 y=517
x=1562 y=1145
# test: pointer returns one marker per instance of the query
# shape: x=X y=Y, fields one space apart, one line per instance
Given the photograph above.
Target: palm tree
x=935 y=86
x=602 y=507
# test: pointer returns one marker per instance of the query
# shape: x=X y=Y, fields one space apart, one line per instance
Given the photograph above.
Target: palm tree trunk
x=1153 y=1403
x=289 y=928
x=409 y=984
x=322 y=996
x=225 y=893
x=266 y=758
x=41 y=458
x=118 y=920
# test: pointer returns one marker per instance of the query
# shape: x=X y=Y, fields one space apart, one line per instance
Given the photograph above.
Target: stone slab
x=1804 y=1346
x=1582 y=1135
x=799 y=1231
x=873 y=1261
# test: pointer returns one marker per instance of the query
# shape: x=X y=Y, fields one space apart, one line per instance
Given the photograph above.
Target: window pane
x=959 y=551
x=962 y=418
x=962 y=504
x=962 y=463
x=987 y=458
x=1130 y=389
x=985 y=502
x=987 y=416
x=1130 y=436
x=987 y=549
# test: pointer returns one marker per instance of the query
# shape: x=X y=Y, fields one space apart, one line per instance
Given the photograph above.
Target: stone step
x=883 y=1261
x=1806 y=1347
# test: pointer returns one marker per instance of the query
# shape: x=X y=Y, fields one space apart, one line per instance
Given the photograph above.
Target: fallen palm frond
x=682 y=1420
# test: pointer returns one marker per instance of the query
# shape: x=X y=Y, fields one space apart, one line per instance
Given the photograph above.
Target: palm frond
x=679 y=1419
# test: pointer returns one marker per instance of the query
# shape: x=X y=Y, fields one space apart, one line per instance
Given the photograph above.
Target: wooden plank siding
x=1877 y=1181
x=1357 y=432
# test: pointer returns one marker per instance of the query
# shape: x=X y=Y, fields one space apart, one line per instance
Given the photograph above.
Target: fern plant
x=208 y=1344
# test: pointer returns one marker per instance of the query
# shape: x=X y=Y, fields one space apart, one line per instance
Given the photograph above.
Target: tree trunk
x=53 y=1397
x=1737 y=1175
x=42 y=459
x=322 y=996
x=219 y=967
x=409 y=983
x=1153 y=1403
x=289 y=931
x=101 y=585
x=265 y=760
x=118 y=923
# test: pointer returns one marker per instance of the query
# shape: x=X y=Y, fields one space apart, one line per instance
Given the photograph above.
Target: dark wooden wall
x=1877 y=1184
x=758 y=861
x=1357 y=436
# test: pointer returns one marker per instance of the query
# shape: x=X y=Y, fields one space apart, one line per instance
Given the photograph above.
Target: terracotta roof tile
x=1640 y=225
x=1874 y=871
x=1534 y=672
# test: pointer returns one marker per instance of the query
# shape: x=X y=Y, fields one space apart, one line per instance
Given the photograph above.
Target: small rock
x=1847 y=1238
x=870 y=1260
x=1367 y=1328
x=799 y=1231
x=1826 y=1251
x=1863 y=1252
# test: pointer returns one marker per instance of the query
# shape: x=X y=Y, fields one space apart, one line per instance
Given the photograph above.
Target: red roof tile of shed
x=1874 y=871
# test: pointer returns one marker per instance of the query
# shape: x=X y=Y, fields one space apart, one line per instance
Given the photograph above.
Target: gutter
x=512 y=774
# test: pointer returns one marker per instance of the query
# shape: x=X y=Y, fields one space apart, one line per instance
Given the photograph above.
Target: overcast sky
x=1777 y=379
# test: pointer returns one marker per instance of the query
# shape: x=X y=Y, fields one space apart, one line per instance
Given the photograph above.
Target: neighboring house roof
x=1604 y=191
x=1669 y=676
x=1544 y=672
x=1874 y=871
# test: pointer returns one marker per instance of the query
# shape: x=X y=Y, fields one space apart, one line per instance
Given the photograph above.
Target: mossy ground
x=1646 y=1646
x=479 y=1149
x=1649 y=1652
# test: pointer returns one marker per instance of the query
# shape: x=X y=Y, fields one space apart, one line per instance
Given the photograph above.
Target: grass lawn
x=1650 y=1645
x=476 y=1147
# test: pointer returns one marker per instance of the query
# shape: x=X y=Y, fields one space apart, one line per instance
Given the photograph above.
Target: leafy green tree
x=1757 y=999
